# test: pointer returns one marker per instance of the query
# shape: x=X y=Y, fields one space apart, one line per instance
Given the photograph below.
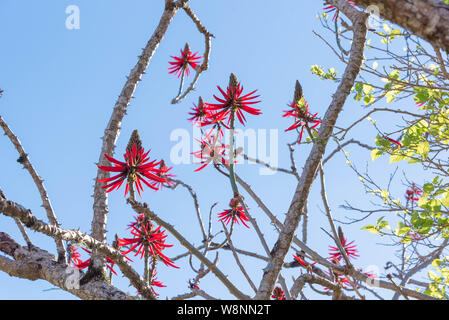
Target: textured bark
x=15 y=210
x=428 y=19
x=112 y=130
x=34 y=264
x=298 y=203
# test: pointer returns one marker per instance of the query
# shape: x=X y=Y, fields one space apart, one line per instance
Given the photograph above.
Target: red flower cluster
x=164 y=174
x=180 y=65
x=303 y=263
x=74 y=255
x=84 y=264
x=278 y=294
x=412 y=193
x=135 y=170
x=211 y=150
x=146 y=238
x=233 y=101
x=156 y=283
x=236 y=213
x=342 y=281
x=300 y=112
x=200 y=113
x=350 y=249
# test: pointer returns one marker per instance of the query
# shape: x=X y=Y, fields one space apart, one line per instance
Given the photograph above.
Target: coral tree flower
x=164 y=174
x=299 y=110
x=156 y=283
x=199 y=112
x=413 y=193
x=136 y=169
x=236 y=213
x=211 y=150
x=84 y=264
x=278 y=294
x=181 y=65
x=349 y=247
x=233 y=101
x=300 y=259
x=74 y=255
x=146 y=238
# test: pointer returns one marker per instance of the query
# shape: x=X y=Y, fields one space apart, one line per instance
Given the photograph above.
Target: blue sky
x=61 y=85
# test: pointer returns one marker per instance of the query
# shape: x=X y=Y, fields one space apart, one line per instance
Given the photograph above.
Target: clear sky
x=61 y=85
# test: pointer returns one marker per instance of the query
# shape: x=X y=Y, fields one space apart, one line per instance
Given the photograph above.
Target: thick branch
x=37 y=264
x=112 y=130
x=298 y=203
x=14 y=210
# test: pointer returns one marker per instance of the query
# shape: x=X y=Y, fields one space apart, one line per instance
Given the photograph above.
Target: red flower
x=211 y=150
x=203 y=116
x=342 y=281
x=278 y=294
x=181 y=64
x=135 y=168
x=193 y=285
x=234 y=101
x=303 y=263
x=156 y=283
x=164 y=174
x=420 y=105
x=393 y=141
x=350 y=249
x=412 y=193
x=146 y=237
x=236 y=213
x=84 y=264
x=74 y=255
x=331 y=8
x=371 y=275
x=199 y=112
x=300 y=112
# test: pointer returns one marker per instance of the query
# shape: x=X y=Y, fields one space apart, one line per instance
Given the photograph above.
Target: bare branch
x=112 y=130
x=207 y=44
x=282 y=246
x=39 y=182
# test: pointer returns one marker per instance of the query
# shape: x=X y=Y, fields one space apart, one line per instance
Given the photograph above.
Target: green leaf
x=396 y=157
x=423 y=148
x=370 y=228
x=428 y=188
x=437 y=262
x=367 y=88
x=375 y=154
x=402 y=231
x=422 y=202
